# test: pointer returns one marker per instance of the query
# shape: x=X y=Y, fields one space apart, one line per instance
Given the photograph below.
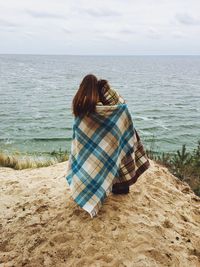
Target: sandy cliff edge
x=156 y=224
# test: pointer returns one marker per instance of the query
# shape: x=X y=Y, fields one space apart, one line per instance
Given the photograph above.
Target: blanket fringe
x=95 y=211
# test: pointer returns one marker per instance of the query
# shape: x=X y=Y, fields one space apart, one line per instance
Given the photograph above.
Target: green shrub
x=185 y=165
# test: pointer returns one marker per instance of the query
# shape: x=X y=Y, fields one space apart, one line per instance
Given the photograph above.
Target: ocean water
x=162 y=93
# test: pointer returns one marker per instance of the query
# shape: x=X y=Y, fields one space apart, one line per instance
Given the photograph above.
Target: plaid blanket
x=106 y=149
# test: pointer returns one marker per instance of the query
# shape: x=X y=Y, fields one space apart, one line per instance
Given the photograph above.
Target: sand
x=156 y=224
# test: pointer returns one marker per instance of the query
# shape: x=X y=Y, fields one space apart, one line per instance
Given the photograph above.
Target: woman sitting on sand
x=106 y=152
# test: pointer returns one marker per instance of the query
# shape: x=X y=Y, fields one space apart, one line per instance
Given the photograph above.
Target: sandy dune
x=156 y=224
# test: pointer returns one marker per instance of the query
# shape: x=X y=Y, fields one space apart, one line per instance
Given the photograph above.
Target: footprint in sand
x=42 y=208
x=167 y=224
x=43 y=191
x=62 y=238
x=13 y=187
x=12 y=183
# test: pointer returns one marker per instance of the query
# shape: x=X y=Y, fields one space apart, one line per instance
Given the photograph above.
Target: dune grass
x=183 y=164
x=19 y=162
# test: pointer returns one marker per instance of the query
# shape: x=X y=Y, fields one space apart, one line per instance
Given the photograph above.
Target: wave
x=52 y=139
x=154 y=128
x=36 y=139
x=142 y=118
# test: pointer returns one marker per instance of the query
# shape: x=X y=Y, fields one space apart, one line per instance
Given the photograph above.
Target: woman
x=106 y=151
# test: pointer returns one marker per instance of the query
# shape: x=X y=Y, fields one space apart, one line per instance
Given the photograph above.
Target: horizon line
x=126 y=55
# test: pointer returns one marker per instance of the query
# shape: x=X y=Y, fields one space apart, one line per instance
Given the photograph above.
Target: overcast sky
x=103 y=27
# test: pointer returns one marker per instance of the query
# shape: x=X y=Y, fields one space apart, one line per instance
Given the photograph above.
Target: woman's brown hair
x=103 y=86
x=87 y=96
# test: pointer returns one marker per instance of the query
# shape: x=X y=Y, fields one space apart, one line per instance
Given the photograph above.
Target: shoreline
x=183 y=164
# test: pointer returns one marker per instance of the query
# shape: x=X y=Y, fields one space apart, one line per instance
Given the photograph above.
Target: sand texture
x=156 y=224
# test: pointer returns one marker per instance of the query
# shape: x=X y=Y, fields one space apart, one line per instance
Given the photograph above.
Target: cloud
x=101 y=12
x=153 y=33
x=127 y=31
x=43 y=14
x=178 y=35
x=109 y=35
x=100 y=27
x=67 y=31
x=29 y=33
x=6 y=23
x=186 y=19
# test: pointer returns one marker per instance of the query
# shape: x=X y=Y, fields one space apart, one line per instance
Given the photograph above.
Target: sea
x=36 y=92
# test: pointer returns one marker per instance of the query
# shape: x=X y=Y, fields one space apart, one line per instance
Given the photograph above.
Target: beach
x=156 y=224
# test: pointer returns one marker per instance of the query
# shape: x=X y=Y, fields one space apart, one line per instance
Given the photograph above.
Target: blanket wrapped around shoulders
x=105 y=149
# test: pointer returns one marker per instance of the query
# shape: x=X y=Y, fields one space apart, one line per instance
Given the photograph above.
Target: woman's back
x=106 y=151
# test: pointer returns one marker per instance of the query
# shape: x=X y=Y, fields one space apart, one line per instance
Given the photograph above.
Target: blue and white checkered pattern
x=100 y=143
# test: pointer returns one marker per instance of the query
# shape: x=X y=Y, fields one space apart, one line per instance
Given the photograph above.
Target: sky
x=106 y=27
